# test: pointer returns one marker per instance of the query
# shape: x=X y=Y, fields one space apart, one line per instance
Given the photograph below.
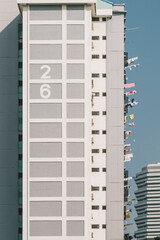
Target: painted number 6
x=45 y=91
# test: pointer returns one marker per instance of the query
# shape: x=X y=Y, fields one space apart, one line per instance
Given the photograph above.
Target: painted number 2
x=46 y=75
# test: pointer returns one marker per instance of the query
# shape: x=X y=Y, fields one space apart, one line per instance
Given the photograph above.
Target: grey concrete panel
x=54 y=88
x=45 y=130
x=46 y=209
x=75 y=71
x=45 y=189
x=8 y=141
x=8 y=122
x=75 y=32
x=8 y=176
x=117 y=78
x=46 y=169
x=75 y=149
x=75 y=90
x=75 y=130
x=116 y=152
x=45 y=51
x=45 y=12
x=116 y=117
x=116 y=98
x=46 y=150
x=45 y=228
x=8 y=66
x=46 y=32
x=75 y=228
x=117 y=137
x=8 y=85
x=117 y=45
x=75 y=189
x=75 y=208
x=75 y=51
x=51 y=71
x=8 y=158
x=46 y=110
x=75 y=12
x=6 y=48
x=9 y=195
x=9 y=119
x=75 y=110
x=117 y=60
x=9 y=103
x=75 y=169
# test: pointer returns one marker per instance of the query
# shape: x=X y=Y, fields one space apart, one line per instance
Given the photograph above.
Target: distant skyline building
x=62 y=120
x=148 y=202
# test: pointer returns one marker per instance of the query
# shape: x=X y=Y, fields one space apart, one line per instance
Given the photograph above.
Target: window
x=104 y=19
x=95 y=19
x=95 y=56
x=104 y=75
x=104 y=226
x=95 y=94
x=103 y=188
x=104 y=94
x=95 y=207
x=95 y=37
x=95 y=169
x=95 y=131
x=104 y=207
x=104 y=38
x=95 y=113
x=95 y=150
x=94 y=188
x=104 y=132
x=103 y=169
x=103 y=56
x=95 y=226
x=104 y=113
x=95 y=75
x=103 y=150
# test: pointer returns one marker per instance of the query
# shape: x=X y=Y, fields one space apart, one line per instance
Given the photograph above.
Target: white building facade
x=148 y=200
x=73 y=120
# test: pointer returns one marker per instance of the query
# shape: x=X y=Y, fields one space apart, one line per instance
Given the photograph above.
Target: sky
x=143 y=43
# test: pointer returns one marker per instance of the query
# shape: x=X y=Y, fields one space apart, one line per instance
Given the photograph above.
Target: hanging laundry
x=131 y=66
x=128 y=132
x=131 y=124
x=126 y=151
x=129 y=117
x=127 y=157
x=127 y=179
x=131 y=60
x=127 y=145
x=129 y=85
x=127 y=215
x=130 y=93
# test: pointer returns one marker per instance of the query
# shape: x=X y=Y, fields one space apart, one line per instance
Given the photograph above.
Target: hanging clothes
x=129 y=85
x=130 y=93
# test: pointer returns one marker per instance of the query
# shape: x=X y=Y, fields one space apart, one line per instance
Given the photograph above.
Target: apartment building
x=65 y=89
x=148 y=198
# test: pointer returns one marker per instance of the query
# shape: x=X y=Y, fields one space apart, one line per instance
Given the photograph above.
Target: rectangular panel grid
x=60 y=147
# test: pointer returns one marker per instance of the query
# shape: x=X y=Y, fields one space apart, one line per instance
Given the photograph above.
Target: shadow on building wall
x=9 y=131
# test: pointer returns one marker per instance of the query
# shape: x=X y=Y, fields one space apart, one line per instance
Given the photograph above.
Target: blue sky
x=144 y=43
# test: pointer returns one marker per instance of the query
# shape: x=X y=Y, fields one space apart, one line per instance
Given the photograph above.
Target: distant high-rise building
x=62 y=120
x=148 y=202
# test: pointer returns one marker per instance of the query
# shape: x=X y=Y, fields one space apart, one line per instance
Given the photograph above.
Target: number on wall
x=45 y=91
x=47 y=71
